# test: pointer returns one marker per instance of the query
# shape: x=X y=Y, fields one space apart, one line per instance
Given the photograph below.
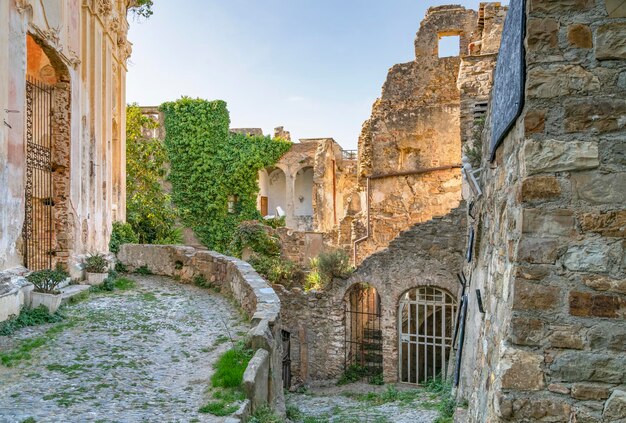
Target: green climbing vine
x=149 y=209
x=209 y=164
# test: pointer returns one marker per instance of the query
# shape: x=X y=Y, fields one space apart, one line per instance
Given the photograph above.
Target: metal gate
x=426 y=330
x=286 y=336
x=38 y=222
x=363 y=335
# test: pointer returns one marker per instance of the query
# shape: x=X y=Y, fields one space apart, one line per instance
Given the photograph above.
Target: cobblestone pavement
x=142 y=355
x=347 y=404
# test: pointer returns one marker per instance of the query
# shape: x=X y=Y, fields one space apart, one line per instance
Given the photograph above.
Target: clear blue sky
x=313 y=66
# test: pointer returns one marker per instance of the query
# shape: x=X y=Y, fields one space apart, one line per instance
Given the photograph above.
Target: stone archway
x=46 y=235
x=425 y=330
x=276 y=192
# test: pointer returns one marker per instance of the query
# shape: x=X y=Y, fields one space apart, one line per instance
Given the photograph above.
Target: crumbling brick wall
x=550 y=260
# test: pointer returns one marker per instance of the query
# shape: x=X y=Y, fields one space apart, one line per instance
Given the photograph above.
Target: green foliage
x=208 y=164
x=230 y=367
x=325 y=267
x=120 y=267
x=264 y=415
x=46 y=281
x=447 y=403
x=143 y=270
x=293 y=413
x=474 y=150
x=276 y=222
x=140 y=8
x=257 y=237
x=353 y=373
x=277 y=270
x=29 y=317
x=29 y=420
x=122 y=234
x=149 y=209
x=96 y=263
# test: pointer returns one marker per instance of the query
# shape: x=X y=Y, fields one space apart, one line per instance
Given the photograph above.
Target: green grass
x=124 y=284
x=29 y=420
x=29 y=317
x=25 y=348
x=264 y=415
x=148 y=296
x=226 y=382
x=447 y=403
x=390 y=395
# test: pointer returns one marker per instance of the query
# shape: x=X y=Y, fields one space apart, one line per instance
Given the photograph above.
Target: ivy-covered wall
x=208 y=164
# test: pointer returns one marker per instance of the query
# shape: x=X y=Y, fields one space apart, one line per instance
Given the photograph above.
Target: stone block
x=560 y=80
x=548 y=222
x=580 y=36
x=587 y=392
x=522 y=370
x=567 y=339
x=584 y=366
x=605 y=115
x=535 y=122
x=560 y=6
x=615 y=8
x=540 y=188
x=532 y=296
x=610 y=224
x=527 y=331
x=600 y=188
x=543 y=34
x=558 y=388
x=557 y=156
x=538 y=250
x=256 y=379
x=595 y=255
x=604 y=283
x=615 y=407
x=523 y=409
x=607 y=336
x=586 y=304
x=611 y=41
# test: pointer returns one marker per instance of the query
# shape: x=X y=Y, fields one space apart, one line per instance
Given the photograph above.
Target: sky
x=312 y=66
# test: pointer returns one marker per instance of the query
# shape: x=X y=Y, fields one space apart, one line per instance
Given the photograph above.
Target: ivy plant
x=209 y=164
x=149 y=209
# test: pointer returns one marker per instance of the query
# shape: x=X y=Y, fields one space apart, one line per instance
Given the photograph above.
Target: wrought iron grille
x=426 y=330
x=38 y=222
x=286 y=336
x=363 y=335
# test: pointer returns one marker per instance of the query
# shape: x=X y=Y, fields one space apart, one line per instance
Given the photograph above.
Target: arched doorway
x=425 y=324
x=276 y=192
x=363 y=336
x=303 y=192
x=47 y=145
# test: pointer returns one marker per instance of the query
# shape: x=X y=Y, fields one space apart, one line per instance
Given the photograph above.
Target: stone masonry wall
x=428 y=254
x=237 y=279
x=550 y=259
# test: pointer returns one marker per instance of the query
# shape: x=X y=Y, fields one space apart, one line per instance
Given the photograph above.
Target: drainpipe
x=389 y=175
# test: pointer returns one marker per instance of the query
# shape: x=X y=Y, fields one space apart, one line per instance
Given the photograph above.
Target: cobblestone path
x=362 y=403
x=141 y=355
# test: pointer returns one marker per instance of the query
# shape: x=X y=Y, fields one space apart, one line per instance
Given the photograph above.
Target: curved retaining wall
x=235 y=278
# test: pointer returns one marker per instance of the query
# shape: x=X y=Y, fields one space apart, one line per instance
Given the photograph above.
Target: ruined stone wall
x=428 y=254
x=550 y=260
x=300 y=247
x=86 y=49
x=416 y=126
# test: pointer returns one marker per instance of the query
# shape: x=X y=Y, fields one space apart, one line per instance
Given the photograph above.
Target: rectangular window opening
x=449 y=46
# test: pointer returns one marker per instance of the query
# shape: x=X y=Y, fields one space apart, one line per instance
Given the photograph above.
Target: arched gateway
x=425 y=324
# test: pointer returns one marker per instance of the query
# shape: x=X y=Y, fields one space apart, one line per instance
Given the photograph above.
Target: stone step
x=70 y=291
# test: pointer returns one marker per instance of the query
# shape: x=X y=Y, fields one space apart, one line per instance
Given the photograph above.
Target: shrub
x=325 y=267
x=278 y=270
x=257 y=237
x=29 y=317
x=353 y=373
x=46 y=281
x=122 y=234
x=96 y=263
x=143 y=270
x=264 y=415
x=173 y=237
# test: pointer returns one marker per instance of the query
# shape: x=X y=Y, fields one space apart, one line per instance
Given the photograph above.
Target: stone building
x=410 y=148
x=549 y=260
x=395 y=315
x=62 y=141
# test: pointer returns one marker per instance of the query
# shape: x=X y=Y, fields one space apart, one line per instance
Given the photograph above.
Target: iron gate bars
x=38 y=222
x=363 y=338
x=425 y=333
x=286 y=337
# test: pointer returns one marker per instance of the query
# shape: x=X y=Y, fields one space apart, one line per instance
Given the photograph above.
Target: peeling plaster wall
x=88 y=40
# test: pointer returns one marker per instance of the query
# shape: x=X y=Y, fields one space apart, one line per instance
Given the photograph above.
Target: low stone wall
x=14 y=292
x=263 y=377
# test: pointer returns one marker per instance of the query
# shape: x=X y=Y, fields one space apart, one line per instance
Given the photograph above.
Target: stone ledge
x=237 y=279
x=15 y=292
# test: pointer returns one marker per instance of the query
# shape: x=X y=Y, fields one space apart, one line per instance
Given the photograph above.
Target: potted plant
x=46 y=293
x=97 y=268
